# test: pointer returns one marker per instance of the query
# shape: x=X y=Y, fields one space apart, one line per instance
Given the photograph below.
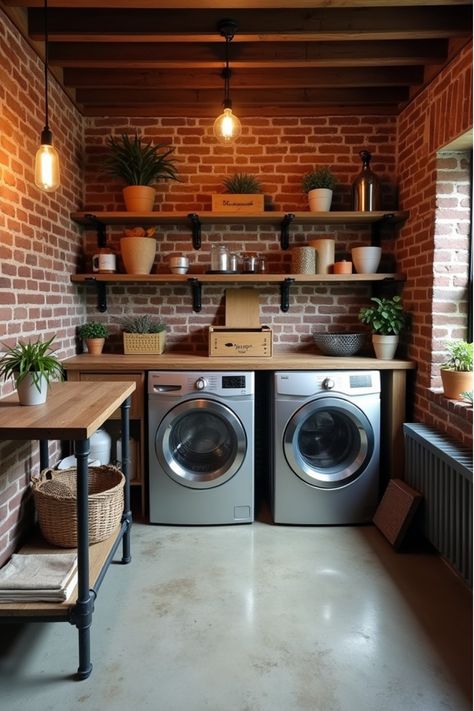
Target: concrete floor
x=256 y=617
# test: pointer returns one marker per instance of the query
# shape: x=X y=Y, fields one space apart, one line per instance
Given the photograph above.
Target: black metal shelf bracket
x=100 y=228
x=101 y=288
x=285 y=293
x=196 y=227
x=196 y=288
x=377 y=228
x=285 y=230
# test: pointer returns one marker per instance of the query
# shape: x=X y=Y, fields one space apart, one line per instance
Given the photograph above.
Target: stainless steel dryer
x=325 y=453
x=201 y=453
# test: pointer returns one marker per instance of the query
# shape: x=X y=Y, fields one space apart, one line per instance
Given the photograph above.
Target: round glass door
x=328 y=442
x=200 y=443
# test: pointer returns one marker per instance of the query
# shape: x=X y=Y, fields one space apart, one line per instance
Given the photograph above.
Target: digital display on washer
x=233 y=381
x=360 y=381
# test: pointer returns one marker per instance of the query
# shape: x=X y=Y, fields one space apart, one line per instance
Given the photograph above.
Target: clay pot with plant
x=34 y=366
x=138 y=249
x=456 y=371
x=386 y=318
x=319 y=185
x=140 y=165
x=94 y=334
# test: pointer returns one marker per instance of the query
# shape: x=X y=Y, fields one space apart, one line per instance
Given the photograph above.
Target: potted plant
x=247 y=187
x=386 y=318
x=456 y=371
x=319 y=185
x=138 y=249
x=140 y=165
x=34 y=366
x=94 y=334
x=143 y=334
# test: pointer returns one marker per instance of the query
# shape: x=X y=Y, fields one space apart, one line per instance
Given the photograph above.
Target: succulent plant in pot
x=456 y=371
x=94 y=334
x=33 y=365
x=143 y=334
x=140 y=164
x=386 y=318
x=319 y=185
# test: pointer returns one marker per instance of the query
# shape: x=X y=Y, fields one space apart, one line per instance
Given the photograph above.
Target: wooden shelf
x=231 y=278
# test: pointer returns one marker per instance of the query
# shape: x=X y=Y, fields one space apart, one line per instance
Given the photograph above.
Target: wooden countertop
x=73 y=410
x=108 y=362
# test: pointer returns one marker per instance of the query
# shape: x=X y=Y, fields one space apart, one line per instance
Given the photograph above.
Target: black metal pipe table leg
x=82 y=614
x=44 y=453
x=127 y=513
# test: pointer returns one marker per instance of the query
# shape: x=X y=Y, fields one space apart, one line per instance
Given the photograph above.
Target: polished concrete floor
x=256 y=618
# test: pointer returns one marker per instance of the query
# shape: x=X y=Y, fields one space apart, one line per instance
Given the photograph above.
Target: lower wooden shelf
x=98 y=554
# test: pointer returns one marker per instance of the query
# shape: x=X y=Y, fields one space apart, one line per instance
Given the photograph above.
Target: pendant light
x=227 y=127
x=47 y=159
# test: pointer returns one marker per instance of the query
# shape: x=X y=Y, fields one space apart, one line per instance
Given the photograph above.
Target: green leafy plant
x=139 y=163
x=460 y=356
x=93 y=329
x=467 y=395
x=387 y=317
x=36 y=358
x=243 y=184
x=142 y=324
x=319 y=178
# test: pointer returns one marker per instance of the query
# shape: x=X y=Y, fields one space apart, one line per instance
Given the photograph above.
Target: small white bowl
x=179 y=270
x=179 y=262
x=366 y=260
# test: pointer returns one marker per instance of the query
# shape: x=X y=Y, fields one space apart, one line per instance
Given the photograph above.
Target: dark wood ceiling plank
x=230 y=4
x=244 y=79
x=323 y=24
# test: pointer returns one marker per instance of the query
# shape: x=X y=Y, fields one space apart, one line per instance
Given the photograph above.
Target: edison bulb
x=227 y=127
x=47 y=168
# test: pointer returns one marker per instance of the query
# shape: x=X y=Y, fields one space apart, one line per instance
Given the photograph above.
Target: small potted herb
x=456 y=371
x=140 y=164
x=94 y=334
x=319 y=185
x=143 y=334
x=386 y=319
x=34 y=366
x=247 y=187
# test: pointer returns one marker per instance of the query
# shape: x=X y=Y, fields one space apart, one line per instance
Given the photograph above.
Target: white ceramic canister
x=100 y=444
x=325 y=254
x=303 y=260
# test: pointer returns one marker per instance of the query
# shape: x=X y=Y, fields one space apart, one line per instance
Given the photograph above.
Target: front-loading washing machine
x=200 y=446
x=326 y=445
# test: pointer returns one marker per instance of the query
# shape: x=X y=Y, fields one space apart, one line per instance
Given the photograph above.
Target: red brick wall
x=39 y=247
x=441 y=113
x=279 y=151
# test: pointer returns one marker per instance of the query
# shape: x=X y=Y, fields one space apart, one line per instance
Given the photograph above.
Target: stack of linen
x=45 y=577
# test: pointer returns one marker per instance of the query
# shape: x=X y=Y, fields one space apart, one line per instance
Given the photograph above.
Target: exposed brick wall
x=279 y=151
x=39 y=247
x=441 y=113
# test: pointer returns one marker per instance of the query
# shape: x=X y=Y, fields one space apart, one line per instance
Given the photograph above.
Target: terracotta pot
x=139 y=198
x=320 y=200
x=385 y=347
x=28 y=393
x=342 y=267
x=456 y=382
x=138 y=254
x=95 y=345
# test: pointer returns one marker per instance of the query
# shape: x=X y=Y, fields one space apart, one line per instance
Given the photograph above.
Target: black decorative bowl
x=339 y=343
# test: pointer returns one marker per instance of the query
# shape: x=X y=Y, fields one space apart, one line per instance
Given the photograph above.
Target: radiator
x=442 y=471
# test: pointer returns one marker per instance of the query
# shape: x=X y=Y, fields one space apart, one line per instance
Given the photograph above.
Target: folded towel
x=40 y=595
x=38 y=572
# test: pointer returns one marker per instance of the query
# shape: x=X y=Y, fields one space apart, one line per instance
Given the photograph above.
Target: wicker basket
x=55 y=499
x=144 y=343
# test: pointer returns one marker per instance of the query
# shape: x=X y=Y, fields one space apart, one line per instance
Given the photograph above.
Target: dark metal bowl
x=339 y=344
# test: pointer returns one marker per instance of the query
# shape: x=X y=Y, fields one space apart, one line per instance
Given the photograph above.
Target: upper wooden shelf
x=98 y=220
x=229 y=278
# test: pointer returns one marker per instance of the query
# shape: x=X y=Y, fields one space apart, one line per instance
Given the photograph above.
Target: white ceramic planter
x=320 y=200
x=29 y=394
x=366 y=260
x=139 y=198
x=385 y=347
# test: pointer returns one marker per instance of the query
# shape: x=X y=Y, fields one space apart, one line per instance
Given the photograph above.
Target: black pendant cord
x=46 y=64
x=226 y=73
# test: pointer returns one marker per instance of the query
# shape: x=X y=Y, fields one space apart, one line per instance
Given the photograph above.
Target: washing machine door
x=328 y=442
x=200 y=443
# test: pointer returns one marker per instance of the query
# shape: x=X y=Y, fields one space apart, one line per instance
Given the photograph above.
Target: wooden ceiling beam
x=230 y=4
x=244 y=79
x=327 y=24
x=255 y=56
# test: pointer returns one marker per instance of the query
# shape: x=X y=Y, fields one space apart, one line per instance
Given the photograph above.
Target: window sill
x=458 y=407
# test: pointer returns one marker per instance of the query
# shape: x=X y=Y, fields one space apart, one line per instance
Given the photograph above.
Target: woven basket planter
x=56 y=501
x=144 y=343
